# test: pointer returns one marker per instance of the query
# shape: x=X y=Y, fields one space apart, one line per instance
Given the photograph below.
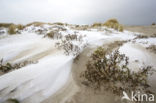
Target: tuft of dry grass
x=20 y=27
x=13 y=100
x=6 y=25
x=12 y=29
x=113 y=23
x=6 y=67
x=97 y=25
x=36 y=24
x=152 y=48
x=59 y=23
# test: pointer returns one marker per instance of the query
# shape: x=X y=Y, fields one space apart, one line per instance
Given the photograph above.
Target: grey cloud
x=132 y=12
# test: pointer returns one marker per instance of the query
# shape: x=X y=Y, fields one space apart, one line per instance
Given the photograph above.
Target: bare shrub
x=6 y=67
x=68 y=47
x=59 y=23
x=110 y=72
x=20 y=27
x=97 y=25
x=152 y=48
x=54 y=35
x=13 y=100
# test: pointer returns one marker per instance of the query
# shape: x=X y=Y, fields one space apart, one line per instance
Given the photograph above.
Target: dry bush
x=113 y=23
x=145 y=36
x=68 y=47
x=97 y=25
x=76 y=37
x=12 y=100
x=12 y=29
x=110 y=72
x=51 y=34
x=81 y=27
x=6 y=67
x=121 y=28
x=20 y=27
x=59 y=23
x=54 y=35
x=152 y=48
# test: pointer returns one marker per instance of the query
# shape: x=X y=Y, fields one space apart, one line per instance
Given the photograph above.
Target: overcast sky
x=131 y=12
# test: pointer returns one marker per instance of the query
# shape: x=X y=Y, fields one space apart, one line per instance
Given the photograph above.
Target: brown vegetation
x=6 y=25
x=6 y=67
x=12 y=29
x=35 y=24
x=113 y=23
x=152 y=48
x=110 y=72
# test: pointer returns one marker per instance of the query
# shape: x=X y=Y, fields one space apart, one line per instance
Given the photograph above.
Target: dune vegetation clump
x=20 y=27
x=97 y=25
x=11 y=100
x=36 y=24
x=6 y=25
x=6 y=67
x=54 y=35
x=111 y=72
x=152 y=48
x=12 y=29
x=113 y=23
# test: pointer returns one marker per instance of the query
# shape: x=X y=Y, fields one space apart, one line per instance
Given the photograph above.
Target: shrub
x=8 y=66
x=110 y=72
x=121 y=28
x=152 y=48
x=96 y=25
x=20 y=27
x=35 y=24
x=59 y=23
x=54 y=35
x=50 y=34
x=12 y=29
x=13 y=101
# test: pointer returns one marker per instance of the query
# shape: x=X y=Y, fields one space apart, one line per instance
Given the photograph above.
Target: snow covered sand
x=40 y=82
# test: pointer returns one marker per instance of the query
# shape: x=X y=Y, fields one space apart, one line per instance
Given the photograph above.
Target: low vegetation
x=54 y=34
x=13 y=101
x=12 y=29
x=145 y=36
x=68 y=46
x=36 y=24
x=110 y=72
x=6 y=25
x=152 y=48
x=113 y=23
x=20 y=27
x=97 y=24
x=59 y=23
x=6 y=67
